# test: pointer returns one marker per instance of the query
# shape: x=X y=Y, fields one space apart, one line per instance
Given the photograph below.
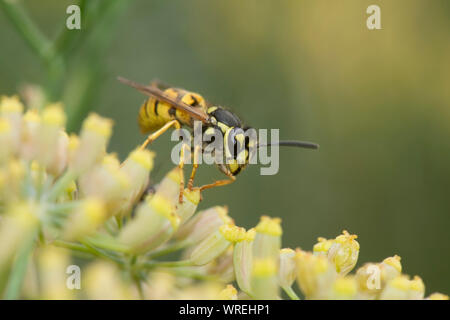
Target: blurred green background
x=378 y=103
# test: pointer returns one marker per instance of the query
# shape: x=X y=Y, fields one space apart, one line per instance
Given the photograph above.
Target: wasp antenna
x=293 y=143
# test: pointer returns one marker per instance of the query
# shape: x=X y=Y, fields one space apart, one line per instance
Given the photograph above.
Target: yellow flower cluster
x=64 y=197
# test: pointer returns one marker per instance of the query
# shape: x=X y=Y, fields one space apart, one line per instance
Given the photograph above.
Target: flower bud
x=342 y=252
x=74 y=144
x=315 y=274
x=216 y=244
x=11 y=108
x=37 y=173
x=372 y=277
x=229 y=293
x=243 y=261
x=12 y=175
x=52 y=122
x=53 y=263
x=6 y=140
x=15 y=228
x=60 y=160
x=203 y=224
x=368 y=278
x=169 y=187
x=191 y=199
x=155 y=223
x=30 y=134
x=94 y=137
x=287 y=271
x=105 y=181
x=137 y=167
x=10 y=105
x=267 y=242
x=264 y=278
x=402 y=288
x=322 y=246
x=390 y=268
x=86 y=219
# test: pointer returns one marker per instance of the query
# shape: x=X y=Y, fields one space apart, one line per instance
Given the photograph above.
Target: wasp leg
x=194 y=167
x=181 y=166
x=219 y=183
x=152 y=137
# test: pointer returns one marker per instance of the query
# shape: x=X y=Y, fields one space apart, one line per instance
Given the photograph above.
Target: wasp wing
x=154 y=91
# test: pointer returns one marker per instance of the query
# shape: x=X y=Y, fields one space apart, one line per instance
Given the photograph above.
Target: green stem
x=61 y=184
x=72 y=246
x=291 y=293
x=63 y=208
x=167 y=249
x=102 y=254
x=29 y=31
x=108 y=243
x=86 y=247
x=119 y=222
x=19 y=268
x=165 y=264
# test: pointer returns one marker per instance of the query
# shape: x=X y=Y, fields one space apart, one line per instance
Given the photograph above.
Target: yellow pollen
x=143 y=157
x=99 y=125
x=417 y=284
x=232 y=233
x=175 y=175
x=74 y=142
x=10 y=105
x=53 y=115
x=32 y=116
x=250 y=234
x=269 y=226
x=193 y=195
x=164 y=207
x=394 y=262
x=110 y=160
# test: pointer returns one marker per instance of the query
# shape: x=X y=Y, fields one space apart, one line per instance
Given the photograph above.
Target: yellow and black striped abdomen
x=155 y=113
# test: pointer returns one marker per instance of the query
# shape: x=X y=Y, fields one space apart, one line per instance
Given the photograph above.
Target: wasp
x=168 y=107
